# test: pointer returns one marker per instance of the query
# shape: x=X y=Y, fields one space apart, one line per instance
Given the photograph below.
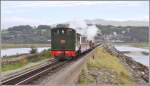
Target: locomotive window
x=63 y=31
x=69 y=32
x=57 y=31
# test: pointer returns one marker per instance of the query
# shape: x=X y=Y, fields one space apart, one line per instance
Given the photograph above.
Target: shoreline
x=7 y=46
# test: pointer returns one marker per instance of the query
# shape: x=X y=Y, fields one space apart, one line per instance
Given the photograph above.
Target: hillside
x=118 y=23
x=97 y=29
x=26 y=34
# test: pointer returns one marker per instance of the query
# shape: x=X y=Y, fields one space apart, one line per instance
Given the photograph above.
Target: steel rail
x=29 y=76
x=32 y=68
x=40 y=73
x=18 y=79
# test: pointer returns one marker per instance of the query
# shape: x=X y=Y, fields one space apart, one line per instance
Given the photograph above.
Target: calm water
x=135 y=53
x=15 y=51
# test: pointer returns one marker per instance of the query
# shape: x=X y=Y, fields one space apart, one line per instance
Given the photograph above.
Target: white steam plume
x=81 y=27
x=91 y=32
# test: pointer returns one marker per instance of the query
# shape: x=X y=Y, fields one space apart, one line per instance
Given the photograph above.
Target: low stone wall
x=138 y=68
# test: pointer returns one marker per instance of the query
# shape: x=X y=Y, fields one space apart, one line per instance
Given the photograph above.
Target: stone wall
x=137 y=68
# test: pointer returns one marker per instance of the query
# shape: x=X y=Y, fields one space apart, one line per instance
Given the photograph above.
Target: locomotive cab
x=63 y=43
x=67 y=44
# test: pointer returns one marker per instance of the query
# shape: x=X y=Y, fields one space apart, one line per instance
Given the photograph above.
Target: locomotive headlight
x=62 y=41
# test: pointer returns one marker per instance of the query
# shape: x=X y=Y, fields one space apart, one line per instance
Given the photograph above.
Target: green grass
x=84 y=79
x=5 y=46
x=140 y=45
x=9 y=67
x=103 y=59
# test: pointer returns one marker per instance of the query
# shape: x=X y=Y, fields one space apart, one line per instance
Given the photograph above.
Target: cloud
x=9 y=7
x=144 y=18
x=14 y=12
x=69 y=3
x=18 y=20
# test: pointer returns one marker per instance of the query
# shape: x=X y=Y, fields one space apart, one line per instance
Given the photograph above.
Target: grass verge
x=102 y=60
x=21 y=63
x=140 y=45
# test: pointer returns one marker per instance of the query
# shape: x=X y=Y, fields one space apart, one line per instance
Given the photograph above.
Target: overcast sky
x=51 y=12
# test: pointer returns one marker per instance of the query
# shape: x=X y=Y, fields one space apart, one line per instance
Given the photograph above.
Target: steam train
x=66 y=43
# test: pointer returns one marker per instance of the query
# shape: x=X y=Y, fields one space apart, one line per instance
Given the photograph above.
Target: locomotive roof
x=56 y=28
x=62 y=28
x=79 y=34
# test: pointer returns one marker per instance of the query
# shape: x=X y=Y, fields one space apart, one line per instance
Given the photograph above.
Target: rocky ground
x=106 y=67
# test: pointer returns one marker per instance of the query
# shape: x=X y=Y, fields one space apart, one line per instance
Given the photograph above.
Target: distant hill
x=127 y=31
x=118 y=23
x=26 y=34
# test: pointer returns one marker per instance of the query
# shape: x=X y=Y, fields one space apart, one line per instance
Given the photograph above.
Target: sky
x=52 y=12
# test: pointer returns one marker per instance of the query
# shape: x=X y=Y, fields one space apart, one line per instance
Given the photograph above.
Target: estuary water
x=16 y=51
x=135 y=53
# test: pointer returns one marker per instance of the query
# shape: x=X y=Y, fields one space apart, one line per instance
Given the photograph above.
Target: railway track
x=28 y=77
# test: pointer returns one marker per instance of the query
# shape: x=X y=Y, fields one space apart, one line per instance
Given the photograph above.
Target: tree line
x=126 y=33
x=42 y=33
x=27 y=34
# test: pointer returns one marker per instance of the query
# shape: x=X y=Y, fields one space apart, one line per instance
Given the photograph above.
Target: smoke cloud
x=82 y=28
x=91 y=32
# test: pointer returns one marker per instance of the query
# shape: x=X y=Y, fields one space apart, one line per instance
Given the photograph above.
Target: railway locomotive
x=67 y=44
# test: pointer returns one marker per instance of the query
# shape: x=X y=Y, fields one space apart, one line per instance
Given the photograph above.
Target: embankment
x=109 y=66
